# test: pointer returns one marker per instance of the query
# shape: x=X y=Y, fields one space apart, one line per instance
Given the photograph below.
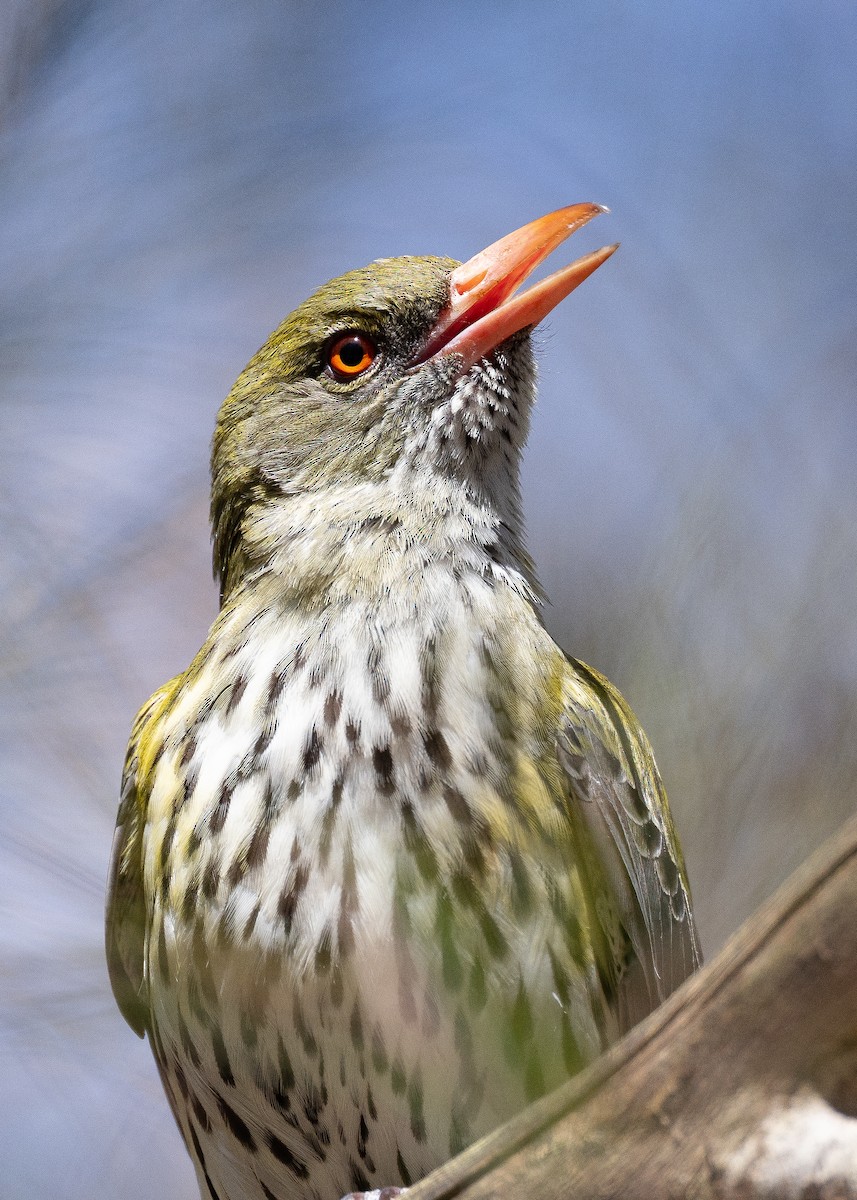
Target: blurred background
x=176 y=176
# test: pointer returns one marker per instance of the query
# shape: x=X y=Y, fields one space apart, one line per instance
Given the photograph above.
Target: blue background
x=174 y=177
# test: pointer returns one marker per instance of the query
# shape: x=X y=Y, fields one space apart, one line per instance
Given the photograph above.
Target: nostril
x=466 y=283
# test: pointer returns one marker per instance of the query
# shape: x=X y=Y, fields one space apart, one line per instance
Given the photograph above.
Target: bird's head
x=396 y=397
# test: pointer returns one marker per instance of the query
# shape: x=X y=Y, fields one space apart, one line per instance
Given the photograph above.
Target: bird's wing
x=647 y=940
x=126 y=904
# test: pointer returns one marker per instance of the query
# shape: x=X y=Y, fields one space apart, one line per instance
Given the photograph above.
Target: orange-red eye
x=349 y=355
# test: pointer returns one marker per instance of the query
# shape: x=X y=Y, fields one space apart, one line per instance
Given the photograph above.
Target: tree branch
x=742 y=1085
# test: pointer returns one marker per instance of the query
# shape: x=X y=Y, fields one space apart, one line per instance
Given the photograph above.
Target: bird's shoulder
x=126 y=907
x=627 y=846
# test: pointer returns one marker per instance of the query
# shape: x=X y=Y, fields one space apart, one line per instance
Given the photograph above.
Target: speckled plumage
x=388 y=864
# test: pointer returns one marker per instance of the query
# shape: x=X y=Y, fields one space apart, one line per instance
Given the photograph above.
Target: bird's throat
x=383 y=542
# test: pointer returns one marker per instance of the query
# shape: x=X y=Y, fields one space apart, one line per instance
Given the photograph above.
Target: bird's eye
x=348 y=355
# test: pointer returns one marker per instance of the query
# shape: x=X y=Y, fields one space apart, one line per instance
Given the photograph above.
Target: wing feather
x=126 y=918
x=631 y=855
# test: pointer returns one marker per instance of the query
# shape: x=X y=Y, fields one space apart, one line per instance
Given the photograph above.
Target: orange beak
x=483 y=311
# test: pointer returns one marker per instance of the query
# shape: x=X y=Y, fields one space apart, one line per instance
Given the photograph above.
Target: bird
x=389 y=864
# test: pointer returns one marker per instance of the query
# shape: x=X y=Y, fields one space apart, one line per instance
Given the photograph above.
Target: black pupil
x=352 y=352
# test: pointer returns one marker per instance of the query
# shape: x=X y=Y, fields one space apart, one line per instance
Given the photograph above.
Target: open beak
x=483 y=310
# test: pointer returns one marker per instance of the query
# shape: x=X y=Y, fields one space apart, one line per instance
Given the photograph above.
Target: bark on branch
x=744 y=1084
